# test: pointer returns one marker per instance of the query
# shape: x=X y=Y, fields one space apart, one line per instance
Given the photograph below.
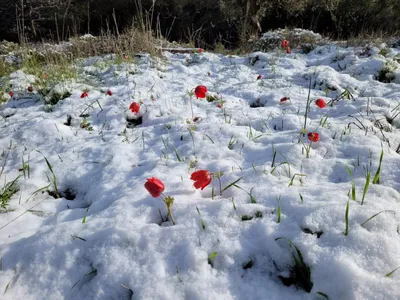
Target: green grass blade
x=252 y=199
x=366 y=187
x=231 y=184
x=376 y=179
x=348 y=170
x=346 y=219
x=77 y=237
x=202 y=222
x=353 y=190
x=209 y=138
x=390 y=273
x=212 y=255
x=373 y=216
x=37 y=191
x=84 y=217
x=323 y=295
x=279 y=209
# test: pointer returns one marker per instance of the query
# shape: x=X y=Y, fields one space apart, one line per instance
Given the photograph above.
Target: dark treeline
x=205 y=21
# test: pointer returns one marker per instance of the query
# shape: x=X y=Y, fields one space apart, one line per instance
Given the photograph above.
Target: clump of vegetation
x=306 y=40
x=300 y=272
x=386 y=73
x=8 y=190
x=56 y=96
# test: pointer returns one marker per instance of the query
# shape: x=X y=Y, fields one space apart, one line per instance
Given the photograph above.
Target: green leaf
x=212 y=255
x=390 y=273
x=177 y=273
x=231 y=184
x=233 y=203
x=202 y=222
x=353 y=190
x=77 y=237
x=84 y=217
x=346 y=219
x=88 y=274
x=373 y=216
x=348 y=170
x=209 y=138
x=366 y=186
x=37 y=191
x=247 y=218
x=252 y=199
x=323 y=295
x=377 y=174
x=279 y=209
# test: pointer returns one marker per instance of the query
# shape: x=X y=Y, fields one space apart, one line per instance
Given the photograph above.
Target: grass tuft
x=8 y=190
x=300 y=272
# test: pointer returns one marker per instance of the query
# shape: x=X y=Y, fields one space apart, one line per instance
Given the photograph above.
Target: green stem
x=171 y=216
x=191 y=106
x=308 y=150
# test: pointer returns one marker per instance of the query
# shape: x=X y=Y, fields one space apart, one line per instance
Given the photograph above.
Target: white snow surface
x=49 y=252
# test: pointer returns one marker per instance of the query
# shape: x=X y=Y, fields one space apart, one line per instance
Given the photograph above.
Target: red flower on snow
x=320 y=103
x=30 y=89
x=200 y=91
x=154 y=186
x=284 y=99
x=259 y=77
x=84 y=94
x=201 y=50
x=313 y=136
x=201 y=179
x=288 y=50
x=134 y=107
x=11 y=93
x=109 y=93
x=285 y=43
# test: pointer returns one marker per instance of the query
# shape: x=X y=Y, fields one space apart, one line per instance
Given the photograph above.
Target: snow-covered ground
x=110 y=242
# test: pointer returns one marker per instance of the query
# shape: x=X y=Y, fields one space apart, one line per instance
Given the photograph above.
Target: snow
x=53 y=251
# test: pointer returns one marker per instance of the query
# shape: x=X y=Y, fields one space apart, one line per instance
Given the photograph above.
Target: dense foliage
x=210 y=21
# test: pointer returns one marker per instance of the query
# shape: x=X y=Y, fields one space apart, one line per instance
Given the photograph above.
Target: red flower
x=30 y=89
x=288 y=50
x=284 y=99
x=313 y=136
x=320 y=103
x=201 y=179
x=134 y=107
x=219 y=105
x=285 y=43
x=200 y=91
x=154 y=186
x=201 y=50
x=109 y=93
x=84 y=94
x=11 y=93
x=259 y=77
